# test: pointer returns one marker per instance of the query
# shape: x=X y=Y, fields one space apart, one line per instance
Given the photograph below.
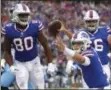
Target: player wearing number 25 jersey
x=22 y=34
x=100 y=36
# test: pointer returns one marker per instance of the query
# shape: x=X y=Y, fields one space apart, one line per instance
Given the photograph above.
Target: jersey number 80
x=22 y=45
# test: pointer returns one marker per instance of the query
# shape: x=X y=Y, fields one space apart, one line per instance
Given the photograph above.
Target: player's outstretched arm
x=71 y=53
x=42 y=39
x=7 y=51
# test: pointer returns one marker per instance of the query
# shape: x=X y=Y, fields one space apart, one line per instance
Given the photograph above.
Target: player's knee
x=22 y=72
x=22 y=76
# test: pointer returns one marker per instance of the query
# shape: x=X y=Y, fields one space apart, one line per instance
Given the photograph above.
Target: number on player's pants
x=28 y=44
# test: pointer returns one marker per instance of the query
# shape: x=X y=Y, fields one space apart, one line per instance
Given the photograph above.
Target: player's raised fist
x=53 y=28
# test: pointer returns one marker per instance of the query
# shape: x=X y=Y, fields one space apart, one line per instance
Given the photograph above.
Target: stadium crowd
x=70 y=12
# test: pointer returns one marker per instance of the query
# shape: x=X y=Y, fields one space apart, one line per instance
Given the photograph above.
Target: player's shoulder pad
x=87 y=53
x=83 y=34
x=34 y=21
x=5 y=27
x=8 y=25
x=37 y=23
x=106 y=29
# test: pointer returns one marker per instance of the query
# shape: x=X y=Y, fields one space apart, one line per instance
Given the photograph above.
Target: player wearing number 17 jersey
x=87 y=59
x=22 y=34
x=100 y=36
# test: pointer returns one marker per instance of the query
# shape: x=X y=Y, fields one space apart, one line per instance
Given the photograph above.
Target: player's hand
x=59 y=44
x=13 y=69
x=53 y=28
x=62 y=29
x=51 y=68
x=3 y=62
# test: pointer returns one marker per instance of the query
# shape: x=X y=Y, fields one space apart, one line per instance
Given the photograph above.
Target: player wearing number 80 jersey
x=25 y=43
x=22 y=34
x=87 y=59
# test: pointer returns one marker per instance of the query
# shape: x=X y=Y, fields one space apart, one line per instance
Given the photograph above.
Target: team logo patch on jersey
x=84 y=35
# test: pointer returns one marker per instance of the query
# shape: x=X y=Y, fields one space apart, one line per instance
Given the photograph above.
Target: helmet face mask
x=78 y=46
x=91 y=20
x=91 y=25
x=23 y=18
x=80 y=42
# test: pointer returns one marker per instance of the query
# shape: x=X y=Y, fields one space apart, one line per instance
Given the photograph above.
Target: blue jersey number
x=98 y=45
x=18 y=42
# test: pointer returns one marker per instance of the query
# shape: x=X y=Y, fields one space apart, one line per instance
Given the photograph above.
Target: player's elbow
x=45 y=46
x=86 y=61
x=7 y=51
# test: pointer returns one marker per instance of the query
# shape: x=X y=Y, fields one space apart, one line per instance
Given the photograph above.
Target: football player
x=7 y=77
x=87 y=59
x=23 y=34
x=100 y=37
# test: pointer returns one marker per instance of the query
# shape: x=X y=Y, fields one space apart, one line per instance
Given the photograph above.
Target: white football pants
x=31 y=70
x=106 y=68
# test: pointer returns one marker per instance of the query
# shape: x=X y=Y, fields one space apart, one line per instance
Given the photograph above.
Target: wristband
x=3 y=62
x=69 y=52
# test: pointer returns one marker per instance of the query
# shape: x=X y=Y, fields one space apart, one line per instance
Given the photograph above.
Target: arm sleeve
x=3 y=31
x=108 y=30
x=87 y=61
x=40 y=25
x=87 y=55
